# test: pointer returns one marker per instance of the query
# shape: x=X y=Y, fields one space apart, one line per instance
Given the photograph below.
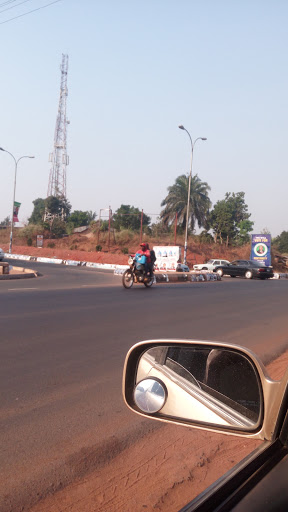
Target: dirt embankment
x=161 y=472
x=85 y=247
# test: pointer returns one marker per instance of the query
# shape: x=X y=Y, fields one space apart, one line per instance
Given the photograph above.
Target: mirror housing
x=213 y=386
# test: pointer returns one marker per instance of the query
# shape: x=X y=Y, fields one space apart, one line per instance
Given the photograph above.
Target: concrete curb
x=160 y=277
x=104 y=266
x=19 y=273
x=192 y=276
x=278 y=275
x=178 y=277
x=22 y=273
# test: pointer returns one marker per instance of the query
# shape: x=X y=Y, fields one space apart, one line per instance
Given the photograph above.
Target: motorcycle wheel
x=127 y=279
x=149 y=283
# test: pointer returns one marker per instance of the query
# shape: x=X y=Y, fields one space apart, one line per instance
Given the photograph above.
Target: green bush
x=205 y=237
x=29 y=242
x=99 y=248
x=30 y=231
x=51 y=245
x=94 y=226
x=69 y=228
x=58 y=228
x=281 y=242
x=124 y=236
x=125 y=250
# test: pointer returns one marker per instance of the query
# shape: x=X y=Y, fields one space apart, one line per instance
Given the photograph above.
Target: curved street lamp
x=16 y=164
x=189 y=188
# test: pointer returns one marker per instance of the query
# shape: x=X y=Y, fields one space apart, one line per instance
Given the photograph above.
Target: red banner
x=15 y=211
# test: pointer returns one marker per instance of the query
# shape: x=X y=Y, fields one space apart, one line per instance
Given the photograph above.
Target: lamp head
x=181 y=127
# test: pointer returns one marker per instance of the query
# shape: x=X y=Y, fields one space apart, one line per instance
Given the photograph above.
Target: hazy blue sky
x=136 y=71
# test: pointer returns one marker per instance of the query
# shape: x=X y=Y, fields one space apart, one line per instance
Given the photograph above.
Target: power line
x=8 y=2
x=13 y=6
x=29 y=12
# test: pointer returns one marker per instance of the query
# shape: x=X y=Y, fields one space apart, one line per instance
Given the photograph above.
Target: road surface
x=64 y=337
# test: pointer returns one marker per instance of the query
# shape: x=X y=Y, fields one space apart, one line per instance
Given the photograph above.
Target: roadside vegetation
x=219 y=230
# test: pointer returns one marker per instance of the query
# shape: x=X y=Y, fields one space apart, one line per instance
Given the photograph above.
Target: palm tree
x=176 y=202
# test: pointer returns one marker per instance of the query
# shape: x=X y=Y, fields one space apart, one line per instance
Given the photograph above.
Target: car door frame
x=228 y=491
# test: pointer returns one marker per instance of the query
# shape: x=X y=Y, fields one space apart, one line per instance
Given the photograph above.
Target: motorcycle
x=136 y=274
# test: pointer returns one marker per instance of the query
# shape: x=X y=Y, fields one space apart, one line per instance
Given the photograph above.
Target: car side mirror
x=203 y=384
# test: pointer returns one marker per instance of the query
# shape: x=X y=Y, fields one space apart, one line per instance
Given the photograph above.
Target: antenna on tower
x=59 y=157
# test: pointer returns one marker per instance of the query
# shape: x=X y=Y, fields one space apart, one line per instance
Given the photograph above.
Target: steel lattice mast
x=59 y=157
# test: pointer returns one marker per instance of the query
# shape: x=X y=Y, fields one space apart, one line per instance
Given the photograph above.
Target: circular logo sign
x=261 y=249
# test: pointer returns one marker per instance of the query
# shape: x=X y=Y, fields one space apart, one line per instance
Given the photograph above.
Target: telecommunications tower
x=59 y=158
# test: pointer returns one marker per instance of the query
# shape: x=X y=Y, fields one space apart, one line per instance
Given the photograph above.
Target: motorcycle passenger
x=152 y=259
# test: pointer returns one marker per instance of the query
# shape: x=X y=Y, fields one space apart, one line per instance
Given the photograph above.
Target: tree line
x=227 y=222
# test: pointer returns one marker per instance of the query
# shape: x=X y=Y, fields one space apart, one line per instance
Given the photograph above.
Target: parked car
x=193 y=383
x=1 y=254
x=210 y=265
x=245 y=268
x=182 y=268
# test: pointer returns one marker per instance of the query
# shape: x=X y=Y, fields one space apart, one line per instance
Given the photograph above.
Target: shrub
x=98 y=247
x=104 y=225
x=125 y=250
x=58 y=228
x=51 y=245
x=30 y=231
x=29 y=242
x=124 y=236
x=69 y=228
x=206 y=237
x=94 y=226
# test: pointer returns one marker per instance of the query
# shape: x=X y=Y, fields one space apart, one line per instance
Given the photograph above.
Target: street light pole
x=14 y=192
x=189 y=189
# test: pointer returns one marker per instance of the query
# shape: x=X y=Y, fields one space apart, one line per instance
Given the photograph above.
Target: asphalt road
x=64 y=337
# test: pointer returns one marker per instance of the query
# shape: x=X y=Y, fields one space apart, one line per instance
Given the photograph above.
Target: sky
x=137 y=70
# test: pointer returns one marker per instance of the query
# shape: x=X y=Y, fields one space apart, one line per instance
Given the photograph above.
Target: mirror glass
x=212 y=385
x=150 y=395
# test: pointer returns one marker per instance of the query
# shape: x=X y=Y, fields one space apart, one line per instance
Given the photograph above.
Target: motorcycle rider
x=145 y=252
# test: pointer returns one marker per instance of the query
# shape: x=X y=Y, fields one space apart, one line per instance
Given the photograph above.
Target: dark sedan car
x=244 y=268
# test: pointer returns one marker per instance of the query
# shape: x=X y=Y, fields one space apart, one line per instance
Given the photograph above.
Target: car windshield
x=72 y=302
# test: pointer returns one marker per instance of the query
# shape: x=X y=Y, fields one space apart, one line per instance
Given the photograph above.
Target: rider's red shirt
x=146 y=253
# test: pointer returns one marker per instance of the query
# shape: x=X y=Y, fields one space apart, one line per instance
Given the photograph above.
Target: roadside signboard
x=39 y=241
x=261 y=249
x=167 y=257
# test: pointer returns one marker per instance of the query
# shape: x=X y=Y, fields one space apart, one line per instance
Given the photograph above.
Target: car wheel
x=248 y=274
x=219 y=272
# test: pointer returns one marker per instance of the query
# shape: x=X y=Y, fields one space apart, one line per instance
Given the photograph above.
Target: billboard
x=167 y=257
x=39 y=241
x=261 y=249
